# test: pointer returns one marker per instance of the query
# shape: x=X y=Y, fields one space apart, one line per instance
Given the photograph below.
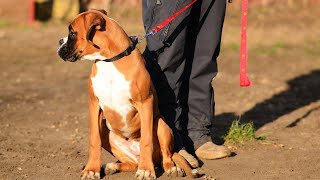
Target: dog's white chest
x=112 y=89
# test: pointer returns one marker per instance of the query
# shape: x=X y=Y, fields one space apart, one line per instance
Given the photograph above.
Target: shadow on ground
x=302 y=91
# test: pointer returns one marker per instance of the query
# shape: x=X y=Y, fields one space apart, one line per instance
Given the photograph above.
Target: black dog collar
x=126 y=52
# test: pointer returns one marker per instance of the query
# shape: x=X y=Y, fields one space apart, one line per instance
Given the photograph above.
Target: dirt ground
x=44 y=114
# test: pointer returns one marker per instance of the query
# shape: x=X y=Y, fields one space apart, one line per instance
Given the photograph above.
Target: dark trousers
x=181 y=60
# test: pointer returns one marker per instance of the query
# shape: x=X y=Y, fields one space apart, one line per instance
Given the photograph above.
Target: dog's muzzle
x=67 y=52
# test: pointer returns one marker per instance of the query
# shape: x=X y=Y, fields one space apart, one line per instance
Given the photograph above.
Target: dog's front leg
x=146 y=166
x=92 y=169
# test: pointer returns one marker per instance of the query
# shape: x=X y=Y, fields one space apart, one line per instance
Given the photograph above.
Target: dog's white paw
x=175 y=172
x=90 y=175
x=111 y=168
x=145 y=175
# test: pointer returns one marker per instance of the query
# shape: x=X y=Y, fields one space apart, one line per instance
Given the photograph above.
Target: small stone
x=19 y=168
x=281 y=145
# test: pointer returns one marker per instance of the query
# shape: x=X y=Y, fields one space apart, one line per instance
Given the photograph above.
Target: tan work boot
x=209 y=150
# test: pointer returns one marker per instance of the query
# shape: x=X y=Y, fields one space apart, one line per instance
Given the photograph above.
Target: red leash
x=164 y=23
x=171 y=18
x=244 y=79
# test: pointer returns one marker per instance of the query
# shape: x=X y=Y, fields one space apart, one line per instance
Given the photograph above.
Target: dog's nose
x=61 y=41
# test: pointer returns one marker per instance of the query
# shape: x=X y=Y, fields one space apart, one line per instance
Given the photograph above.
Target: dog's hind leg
x=114 y=167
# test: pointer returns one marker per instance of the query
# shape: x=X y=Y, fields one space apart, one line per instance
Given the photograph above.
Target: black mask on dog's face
x=67 y=50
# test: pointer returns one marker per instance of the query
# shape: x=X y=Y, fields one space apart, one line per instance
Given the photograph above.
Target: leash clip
x=141 y=38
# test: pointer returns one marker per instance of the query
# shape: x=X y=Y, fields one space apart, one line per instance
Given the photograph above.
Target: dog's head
x=83 y=38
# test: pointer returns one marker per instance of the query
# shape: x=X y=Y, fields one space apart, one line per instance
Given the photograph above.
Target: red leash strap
x=171 y=18
x=244 y=79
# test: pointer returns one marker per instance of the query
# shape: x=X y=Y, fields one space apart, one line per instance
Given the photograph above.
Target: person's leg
x=165 y=58
x=204 y=69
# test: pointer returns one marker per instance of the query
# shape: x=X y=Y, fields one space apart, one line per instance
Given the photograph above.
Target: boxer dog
x=121 y=91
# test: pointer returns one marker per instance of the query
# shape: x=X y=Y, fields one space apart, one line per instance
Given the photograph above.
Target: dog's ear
x=94 y=22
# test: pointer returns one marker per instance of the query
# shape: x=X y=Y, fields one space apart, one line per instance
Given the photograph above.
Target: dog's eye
x=72 y=32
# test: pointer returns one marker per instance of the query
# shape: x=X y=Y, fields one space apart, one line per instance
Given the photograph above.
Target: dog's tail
x=182 y=163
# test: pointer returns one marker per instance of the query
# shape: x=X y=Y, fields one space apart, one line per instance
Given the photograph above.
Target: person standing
x=182 y=61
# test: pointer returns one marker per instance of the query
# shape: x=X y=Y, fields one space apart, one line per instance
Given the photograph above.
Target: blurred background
x=43 y=100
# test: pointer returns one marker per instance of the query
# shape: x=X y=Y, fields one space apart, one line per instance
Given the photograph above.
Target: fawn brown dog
x=121 y=91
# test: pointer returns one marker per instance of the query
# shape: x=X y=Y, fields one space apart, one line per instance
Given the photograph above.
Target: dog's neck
x=115 y=40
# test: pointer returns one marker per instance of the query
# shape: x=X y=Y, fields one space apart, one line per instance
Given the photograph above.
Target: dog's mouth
x=73 y=57
x=69 y=54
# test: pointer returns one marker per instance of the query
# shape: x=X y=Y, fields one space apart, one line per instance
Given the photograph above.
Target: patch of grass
x=274 y=49
x=242 y=132
x=311 y=52
x=3 y=23
x=233 y=46
x=280 y=45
